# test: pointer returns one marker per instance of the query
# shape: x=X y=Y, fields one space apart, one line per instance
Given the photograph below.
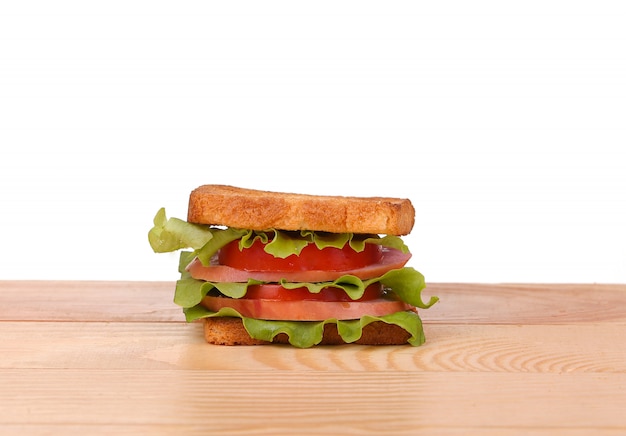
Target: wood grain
x=453 y=348
x=500 y=359
x=473 y=303
x=291 y=402
x=478 y=303
x=87 y=301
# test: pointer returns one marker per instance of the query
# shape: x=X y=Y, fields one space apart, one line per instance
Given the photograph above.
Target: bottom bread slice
x=230 y=331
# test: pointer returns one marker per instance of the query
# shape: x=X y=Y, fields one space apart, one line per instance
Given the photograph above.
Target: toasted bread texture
x=230 y=331
x=242 y=208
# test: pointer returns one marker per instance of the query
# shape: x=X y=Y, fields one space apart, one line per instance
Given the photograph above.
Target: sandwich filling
x=293 y=282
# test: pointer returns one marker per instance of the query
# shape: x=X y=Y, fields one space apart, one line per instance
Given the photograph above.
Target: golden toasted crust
x=262 y=210
x=230 y=331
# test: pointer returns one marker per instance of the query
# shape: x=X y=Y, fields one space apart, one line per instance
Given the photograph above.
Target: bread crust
x=242 y=208
x=230 y=331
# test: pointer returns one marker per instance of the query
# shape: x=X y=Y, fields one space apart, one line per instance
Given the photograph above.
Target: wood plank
x=460 y=303
x=189 y=429
x=479 y=303
x=88 y=301
x=117 y=357
x=558 y=349
x=293 y=402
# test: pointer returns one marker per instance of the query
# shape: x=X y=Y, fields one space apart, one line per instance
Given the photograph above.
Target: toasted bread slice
x=230 y=331
x=262 y=210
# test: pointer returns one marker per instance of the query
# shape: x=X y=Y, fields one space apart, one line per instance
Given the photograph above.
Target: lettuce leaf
x=175 y=234
x=305 y=334
x=407 y=283
x=220 y=238
x=283 y=244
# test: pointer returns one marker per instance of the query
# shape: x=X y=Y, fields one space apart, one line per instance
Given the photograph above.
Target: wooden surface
x=117 y=358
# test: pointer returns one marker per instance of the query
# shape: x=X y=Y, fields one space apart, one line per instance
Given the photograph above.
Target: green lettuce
x=407 y=283
x=220 y=238
x=305 y=334
x=175 y=234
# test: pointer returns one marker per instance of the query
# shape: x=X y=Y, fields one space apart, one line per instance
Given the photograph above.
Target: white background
x=503 y=122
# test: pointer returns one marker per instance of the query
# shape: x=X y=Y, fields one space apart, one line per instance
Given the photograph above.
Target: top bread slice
x=252 y=209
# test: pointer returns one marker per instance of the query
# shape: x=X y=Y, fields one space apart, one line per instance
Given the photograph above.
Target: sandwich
x=259 y=267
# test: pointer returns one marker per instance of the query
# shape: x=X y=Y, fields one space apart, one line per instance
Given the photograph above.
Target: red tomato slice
x=310 y=258
x=306 y=310
x=276 y=292
x=391 y=259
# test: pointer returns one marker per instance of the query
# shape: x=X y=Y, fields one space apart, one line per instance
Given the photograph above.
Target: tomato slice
x=274 y=291
x=310 y=258
x=306 y=310
x=391 y=259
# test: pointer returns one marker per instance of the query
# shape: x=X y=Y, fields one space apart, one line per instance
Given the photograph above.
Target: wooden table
x=117 y=358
